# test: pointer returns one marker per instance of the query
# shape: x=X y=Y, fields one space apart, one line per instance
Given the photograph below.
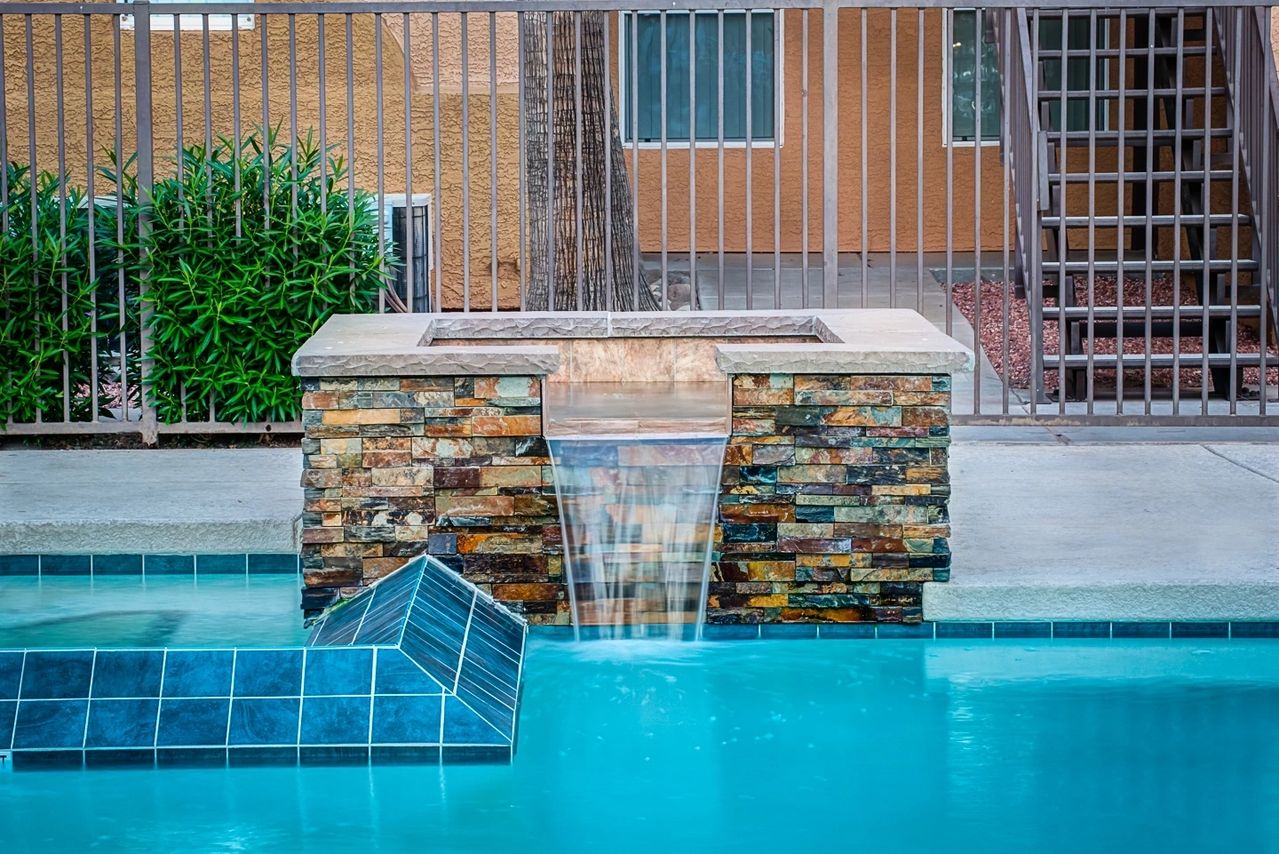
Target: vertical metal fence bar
x=694 y=299
x=1209 y=239
x=268 y=152
x=177 y=111
x=551 y=224
x=143 y=170
x=1121 y=191
x=121 y=299
x=662 y=137
x=293 y=119
x=380 y=136
x=1032 y=234
x=1176 y=214
x=236 y=131
x=59 y=106
x=864 y=187
x=778 y=59
x=493 y=159
x=830 y=154
x=608 y=174
x=34 y=173
x=1006 y=35
x=803 y=160
x=323 y=87
x=1092 y=211
x=748 y=78
x=578 y=201
x=520 y=52
x=90 y=205
x=1235 y=156
x=1147 y=371
x=1065 y=284
x=719 y=147
x=1266 y=226
x=407 y=57
x=464 y=23
x=977 y=235
x=434 y=271
x=892 y=158
x=919 y=159
x=350 y=127
x=949 y=132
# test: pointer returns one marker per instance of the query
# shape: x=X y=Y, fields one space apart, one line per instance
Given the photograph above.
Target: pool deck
x=1048 y=524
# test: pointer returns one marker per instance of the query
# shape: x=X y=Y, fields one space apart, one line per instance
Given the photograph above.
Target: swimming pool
x=1054 y=746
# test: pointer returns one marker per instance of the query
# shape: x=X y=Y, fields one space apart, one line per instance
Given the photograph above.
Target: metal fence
x=1084 y=195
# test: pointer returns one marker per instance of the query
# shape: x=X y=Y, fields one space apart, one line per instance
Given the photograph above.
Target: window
x=967 y=38
x=645 y=30
x=217 y=23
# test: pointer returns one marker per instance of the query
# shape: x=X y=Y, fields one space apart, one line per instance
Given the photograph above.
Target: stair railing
x=1028 y=164
x=1244 y=36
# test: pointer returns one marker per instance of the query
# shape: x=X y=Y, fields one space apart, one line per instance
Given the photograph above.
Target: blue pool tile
x=335 y=720
x=1139 y=630
x=198 y=673
x=338 y=671
x=191 y=757
x=964 y=629
x=119 y=758
x=1200 y=630
x=463 y=726
x=455 y=754
x=50 y=724
x=1255 y=629
x=57 y=675
x=729 y=631
x=220 y=564
x=10 y=674
x=121 y=723
x=788 y=631
x=904 y=630
x=169 y=564
x=19 y=565
x=192 y=723
x=262 y=756
x=406 y=720
x=128 y=673
x=552 y=633
x=1023 y=629
x=273 y=564
x=846 y=631
x=268 y=673
x=42 y=760
x=348 y=755
x=405 y=755
x=396 y=674
x=1081 y=629
x=264 y=721
x=66 y=564
x=8 y=709
x=117 y=564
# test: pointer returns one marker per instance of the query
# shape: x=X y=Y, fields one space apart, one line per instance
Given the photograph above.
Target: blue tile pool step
x=51 y=565
x=977 y=630
x=423 y=666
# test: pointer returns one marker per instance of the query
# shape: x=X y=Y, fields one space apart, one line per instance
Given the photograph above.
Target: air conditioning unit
x=406 y=226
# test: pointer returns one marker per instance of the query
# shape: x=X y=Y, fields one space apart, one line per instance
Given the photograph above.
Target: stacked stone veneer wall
x=833 y=502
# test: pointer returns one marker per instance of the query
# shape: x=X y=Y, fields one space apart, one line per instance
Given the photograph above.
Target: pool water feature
x=787 y=746
x=637 y=472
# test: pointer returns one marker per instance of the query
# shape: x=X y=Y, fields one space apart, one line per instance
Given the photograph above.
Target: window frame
x=777 y=138
x=947 y=83
x=181 y=23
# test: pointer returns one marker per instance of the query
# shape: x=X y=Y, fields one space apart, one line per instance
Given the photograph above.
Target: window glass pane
x=967 y=40
x=705 y=55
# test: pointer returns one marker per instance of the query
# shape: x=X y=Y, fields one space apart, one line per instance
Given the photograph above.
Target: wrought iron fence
x=1085 y=195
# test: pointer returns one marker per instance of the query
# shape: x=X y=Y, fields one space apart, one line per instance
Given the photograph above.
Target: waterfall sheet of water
x=638 y=507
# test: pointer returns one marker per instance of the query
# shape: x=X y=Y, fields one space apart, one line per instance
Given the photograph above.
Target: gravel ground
x=1018 y=362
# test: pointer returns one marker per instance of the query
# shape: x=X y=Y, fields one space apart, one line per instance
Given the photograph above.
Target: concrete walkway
x=1048 y=524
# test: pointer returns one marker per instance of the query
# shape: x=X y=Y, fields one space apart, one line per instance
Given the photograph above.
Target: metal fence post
x=830 y=154
x=144 y=130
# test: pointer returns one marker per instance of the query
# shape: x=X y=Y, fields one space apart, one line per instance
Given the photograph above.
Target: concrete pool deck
x=1048 y=524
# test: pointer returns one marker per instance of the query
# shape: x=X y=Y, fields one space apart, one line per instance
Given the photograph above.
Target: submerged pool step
x=422 y=667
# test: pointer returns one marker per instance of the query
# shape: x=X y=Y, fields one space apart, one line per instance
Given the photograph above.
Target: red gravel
x=1019 y=361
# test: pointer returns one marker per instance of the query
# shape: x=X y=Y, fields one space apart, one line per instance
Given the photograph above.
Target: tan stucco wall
x=308 y=108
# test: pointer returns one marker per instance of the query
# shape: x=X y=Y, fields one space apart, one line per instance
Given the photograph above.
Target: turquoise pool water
x=131 y=611
x=765 y=746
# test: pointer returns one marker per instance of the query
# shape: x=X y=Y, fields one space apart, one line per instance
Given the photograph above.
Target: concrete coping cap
x=852 y=341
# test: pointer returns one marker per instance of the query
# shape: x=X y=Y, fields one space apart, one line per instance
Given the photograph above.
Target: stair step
x=1193 y=175
x=1131 y=361
x=1139 y=221
x=1139 y=265
x=1054 y=95
x=1137 y=138
x=1110 y=313
x=1129 y=52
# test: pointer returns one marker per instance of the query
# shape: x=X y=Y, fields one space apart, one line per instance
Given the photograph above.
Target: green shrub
x=46 y=300
x=230 y=304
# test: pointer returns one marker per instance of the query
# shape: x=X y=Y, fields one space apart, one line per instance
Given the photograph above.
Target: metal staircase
x=1132 y=166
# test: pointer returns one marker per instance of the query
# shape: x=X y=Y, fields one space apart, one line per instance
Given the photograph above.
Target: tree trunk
x=574 y=175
